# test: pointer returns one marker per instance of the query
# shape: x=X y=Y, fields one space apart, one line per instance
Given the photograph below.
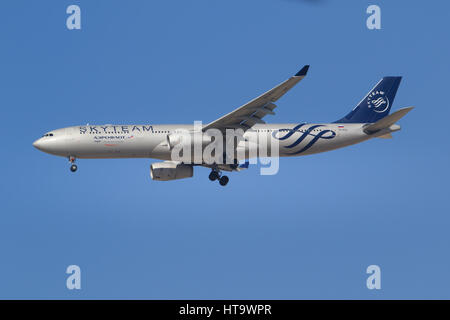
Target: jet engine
x=170 y=170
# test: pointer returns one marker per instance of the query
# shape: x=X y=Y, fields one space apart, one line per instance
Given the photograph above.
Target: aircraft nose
x=38 y=144
x=51 y=144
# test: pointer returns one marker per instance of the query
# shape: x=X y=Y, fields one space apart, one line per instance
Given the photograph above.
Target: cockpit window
x=48 y=135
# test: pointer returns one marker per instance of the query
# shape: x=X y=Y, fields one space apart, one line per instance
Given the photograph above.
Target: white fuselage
x=151 y=141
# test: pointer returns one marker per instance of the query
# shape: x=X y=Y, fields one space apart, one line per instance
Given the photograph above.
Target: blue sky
x=308 y=232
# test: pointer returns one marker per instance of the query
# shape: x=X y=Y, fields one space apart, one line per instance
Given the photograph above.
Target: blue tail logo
x=378 y=101
x=376 y=104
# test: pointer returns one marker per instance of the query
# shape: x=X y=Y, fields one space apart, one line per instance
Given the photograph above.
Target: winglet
x=302 y=72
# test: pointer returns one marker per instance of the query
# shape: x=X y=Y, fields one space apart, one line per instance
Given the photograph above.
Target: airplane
x=369 y=119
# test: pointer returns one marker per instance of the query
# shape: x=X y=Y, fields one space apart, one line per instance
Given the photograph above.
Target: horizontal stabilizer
x=386 y=136
x=387 y=121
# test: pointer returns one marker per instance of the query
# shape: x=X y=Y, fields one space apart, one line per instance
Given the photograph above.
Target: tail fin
x=376 y=104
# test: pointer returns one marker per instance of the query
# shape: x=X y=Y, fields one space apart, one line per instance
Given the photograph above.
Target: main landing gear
x=217 y=175
x=73 y=166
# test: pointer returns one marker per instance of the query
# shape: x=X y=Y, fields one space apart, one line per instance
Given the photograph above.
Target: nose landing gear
x=217 y=175
x=73 y=167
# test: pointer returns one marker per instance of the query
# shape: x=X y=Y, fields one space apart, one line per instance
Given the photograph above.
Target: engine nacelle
x=169 y=170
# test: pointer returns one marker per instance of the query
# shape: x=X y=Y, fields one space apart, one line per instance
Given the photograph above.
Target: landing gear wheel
x=214 y=175
x=73 y=168
x=223 y=180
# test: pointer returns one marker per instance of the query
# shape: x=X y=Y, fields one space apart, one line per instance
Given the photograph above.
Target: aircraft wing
x=252 y=112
